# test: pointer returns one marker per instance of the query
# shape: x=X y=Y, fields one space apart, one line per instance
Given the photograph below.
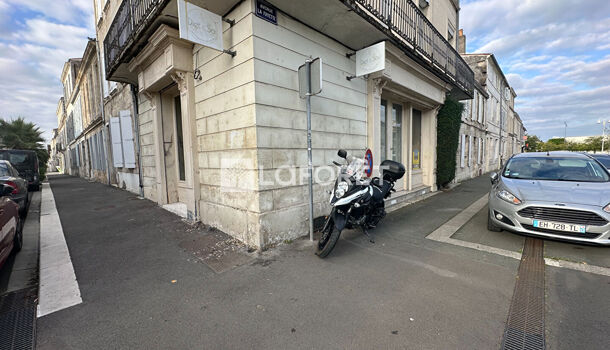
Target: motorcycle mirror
x=342 y=153
x=494 y=178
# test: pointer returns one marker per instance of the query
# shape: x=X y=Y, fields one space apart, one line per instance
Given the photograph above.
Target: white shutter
x=128 y=141
x=480 y=151
x=469 y=151
x=462 y=150
x=117 y=148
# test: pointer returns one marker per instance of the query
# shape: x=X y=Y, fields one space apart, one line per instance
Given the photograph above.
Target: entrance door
x=393 y=129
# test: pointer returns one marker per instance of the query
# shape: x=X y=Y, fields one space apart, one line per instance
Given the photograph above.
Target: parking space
x=475 y=231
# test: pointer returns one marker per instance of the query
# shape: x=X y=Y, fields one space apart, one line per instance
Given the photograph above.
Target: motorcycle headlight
x=509 y=197
x=342 y=187
x=607 y=208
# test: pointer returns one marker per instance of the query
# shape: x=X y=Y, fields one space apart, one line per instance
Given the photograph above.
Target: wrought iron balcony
x=402 y=21
x=132 y=19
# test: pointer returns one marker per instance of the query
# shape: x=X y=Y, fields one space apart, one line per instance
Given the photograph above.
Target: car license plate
x=558 y=226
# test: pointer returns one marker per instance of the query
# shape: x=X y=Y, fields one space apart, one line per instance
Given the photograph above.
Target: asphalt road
x=145 y=286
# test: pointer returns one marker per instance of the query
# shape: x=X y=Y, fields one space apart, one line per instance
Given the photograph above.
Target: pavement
x=148 y=280
x=19 y=285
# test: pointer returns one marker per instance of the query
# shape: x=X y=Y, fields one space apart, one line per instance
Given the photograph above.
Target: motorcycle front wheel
x=328 y=238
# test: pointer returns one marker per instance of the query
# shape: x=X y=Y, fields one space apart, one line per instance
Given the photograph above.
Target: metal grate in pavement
x=525 y=324
x=18 y=320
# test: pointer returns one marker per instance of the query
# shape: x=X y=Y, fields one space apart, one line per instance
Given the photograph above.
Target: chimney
x=461 y=42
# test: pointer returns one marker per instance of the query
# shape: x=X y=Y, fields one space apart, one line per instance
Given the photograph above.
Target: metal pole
x=603 y=134
x=500 y=141
x=309 y=157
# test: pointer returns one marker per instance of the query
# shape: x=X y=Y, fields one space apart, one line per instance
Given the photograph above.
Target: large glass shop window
x=397 y=132
x=416 y=146
x=383 y=150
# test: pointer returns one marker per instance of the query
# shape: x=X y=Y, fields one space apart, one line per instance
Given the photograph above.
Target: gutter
x=136 y=122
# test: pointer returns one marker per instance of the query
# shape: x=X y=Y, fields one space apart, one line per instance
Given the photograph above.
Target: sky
x=36 y=38
x=554 y=53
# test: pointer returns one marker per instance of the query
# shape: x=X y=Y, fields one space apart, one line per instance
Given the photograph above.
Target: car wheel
x=491 y=226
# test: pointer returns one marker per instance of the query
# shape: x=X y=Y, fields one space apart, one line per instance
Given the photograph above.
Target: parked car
x=11 y=225
x=26 y=162
x=10 y=176
x=560 y=195
x=602 y=158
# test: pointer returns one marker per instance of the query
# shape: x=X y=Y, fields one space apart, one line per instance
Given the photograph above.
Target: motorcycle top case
x=392 y=171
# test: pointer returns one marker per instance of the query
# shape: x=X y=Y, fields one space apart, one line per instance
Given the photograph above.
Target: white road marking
x=58 y=286
x=444 y=233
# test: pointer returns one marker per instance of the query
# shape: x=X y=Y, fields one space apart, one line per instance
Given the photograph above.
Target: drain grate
x=18 y=320
x=525 y=324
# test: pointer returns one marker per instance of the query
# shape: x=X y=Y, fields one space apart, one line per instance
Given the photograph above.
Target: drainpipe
x=107 y=136
x=136 y=121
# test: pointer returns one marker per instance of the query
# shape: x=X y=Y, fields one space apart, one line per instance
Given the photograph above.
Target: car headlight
x=509 y=197
x=607 y=208
x=342 y=187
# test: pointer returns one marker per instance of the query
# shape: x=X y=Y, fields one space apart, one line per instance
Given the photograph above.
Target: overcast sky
x=555 y=53
x=36 y=38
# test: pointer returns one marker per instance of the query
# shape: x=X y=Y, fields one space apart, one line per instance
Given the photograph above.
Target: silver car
x=560 y=195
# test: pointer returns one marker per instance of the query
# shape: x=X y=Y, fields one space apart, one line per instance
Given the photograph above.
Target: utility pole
x=565 y=135
x=603 y=132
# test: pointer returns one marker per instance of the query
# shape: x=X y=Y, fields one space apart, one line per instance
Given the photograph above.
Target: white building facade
x=219 y=135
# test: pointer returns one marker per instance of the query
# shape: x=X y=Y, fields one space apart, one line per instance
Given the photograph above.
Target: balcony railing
x=131 y=19
x=404 y=22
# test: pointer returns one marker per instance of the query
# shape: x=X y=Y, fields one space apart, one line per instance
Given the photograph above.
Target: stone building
x=119 y=112
x=500 y=105
x=59 y=138
x=219 y=133
x=498 y=132
x=471 y=155
x=86 y=145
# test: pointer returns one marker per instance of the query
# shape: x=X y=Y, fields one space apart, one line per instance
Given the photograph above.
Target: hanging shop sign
x=199 y=25
x=370 y=59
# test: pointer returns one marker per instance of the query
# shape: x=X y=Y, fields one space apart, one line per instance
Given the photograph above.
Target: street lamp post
x=603 y=131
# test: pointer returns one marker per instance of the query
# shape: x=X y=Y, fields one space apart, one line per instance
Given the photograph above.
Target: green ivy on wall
x=447 y=136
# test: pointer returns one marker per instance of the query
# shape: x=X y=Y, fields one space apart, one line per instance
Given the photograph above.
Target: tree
x=19 y=134
x=534 y=143
x=447 y=139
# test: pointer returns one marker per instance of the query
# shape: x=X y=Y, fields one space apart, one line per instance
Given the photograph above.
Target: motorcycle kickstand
x=369 y=235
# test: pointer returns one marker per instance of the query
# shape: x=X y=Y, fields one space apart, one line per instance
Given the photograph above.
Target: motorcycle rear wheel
x=328 y=239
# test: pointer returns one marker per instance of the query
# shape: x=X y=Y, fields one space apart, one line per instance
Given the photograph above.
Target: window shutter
x=469 y=151
x=128 y=141
x=117 y=148
x=462 y=150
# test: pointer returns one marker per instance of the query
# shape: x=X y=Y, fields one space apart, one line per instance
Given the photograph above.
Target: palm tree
x=19 y=134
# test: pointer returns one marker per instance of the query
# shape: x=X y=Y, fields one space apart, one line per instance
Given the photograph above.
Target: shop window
x=382 y=118
x=416 y=136
x=397 y=132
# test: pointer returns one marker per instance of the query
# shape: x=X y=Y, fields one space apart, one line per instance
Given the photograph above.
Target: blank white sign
x=199 y=25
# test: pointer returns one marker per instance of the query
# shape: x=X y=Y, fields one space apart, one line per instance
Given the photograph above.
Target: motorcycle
x=357 y=201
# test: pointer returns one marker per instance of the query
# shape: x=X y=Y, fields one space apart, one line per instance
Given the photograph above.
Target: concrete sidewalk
x=144 y=286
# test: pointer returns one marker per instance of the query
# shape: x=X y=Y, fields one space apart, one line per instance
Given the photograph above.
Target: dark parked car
x=10 y=176
x=11 y=225
x=602 y=158
x=26 y=162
